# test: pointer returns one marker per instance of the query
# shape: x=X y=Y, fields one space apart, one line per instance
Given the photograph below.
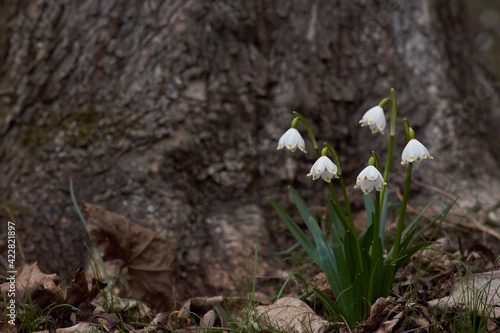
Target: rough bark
x=169 y=112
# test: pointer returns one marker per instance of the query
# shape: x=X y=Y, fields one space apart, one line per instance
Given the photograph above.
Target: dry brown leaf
x=80 y=327
x=40 y=287
x=397 y=315
x=147 y=257
x=78 y=291
x=200 y=306
x=78 y=295
x=208 y=320
x=480 y=289
x=291 y=315
x=8 y=328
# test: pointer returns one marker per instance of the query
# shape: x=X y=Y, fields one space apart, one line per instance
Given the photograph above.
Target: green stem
x=335 y=197
x=383 y=102
x=309 y=130
x=402 y=214
x=392 y=118
x=388 y=163
x=346 y=201
x=375 y=251
x=342 y=184
x=376 y=219
x=350 y=222
x=394 y=112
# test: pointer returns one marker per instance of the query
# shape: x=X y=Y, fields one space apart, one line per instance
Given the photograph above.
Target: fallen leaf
x=41 y=288
x=147 y=257
x=198 y=307
x=78 y=288
x=291 y=315
x=395 y=315
x=481 y=290
x=80 y=327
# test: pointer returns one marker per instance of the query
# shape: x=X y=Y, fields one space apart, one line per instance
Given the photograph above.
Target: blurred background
x=484 y=16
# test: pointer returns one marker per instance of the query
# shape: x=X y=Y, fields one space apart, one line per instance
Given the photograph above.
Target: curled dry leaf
x=395 y=315
x=42 y=288
x=291 y=315
x=78 y=295
x=200 y=307
x=147 y=257
x=78 y=291
x=80 y=327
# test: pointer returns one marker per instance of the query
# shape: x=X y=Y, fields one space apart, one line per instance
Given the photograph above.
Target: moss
x=33 y=136
x=86 y=124
x=16 y=213
x=90 y=115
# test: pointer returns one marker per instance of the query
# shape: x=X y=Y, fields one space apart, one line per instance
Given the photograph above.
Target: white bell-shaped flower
x=375 y=118
x=324 y=168
x=370 y=178
x=415 y=152
x=291 y=140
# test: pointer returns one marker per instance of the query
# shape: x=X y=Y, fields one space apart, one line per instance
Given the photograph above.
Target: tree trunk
x=169 y=113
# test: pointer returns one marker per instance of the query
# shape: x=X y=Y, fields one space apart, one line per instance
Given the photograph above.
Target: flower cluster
x=365 y=270
x=370 y=178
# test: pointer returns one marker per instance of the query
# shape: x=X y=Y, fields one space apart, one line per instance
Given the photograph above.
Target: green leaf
x=351 y=254
x=388 y=271
x=301 y=206
x=335 y=270
x=299 y=235
x=338 y=218
x=415 y=220
x=367 y=238
x=406 y=255
x=383 y=219
x=335 y=239
x=369 y=208
x=332 y=306
x=288 y=251
x=407 y=240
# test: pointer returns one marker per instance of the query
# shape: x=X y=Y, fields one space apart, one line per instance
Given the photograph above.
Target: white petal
x=368 y=179
x=379 y=183
x=367 y=186
x=371 y=173
x=323 y=168
x=301 y=144
x=291 y=139
x=414 y=152
x=375 y=118
x=327 y=176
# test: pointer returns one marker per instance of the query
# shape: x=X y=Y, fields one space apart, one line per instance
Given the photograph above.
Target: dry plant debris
x=147 y=259
x=290 y=314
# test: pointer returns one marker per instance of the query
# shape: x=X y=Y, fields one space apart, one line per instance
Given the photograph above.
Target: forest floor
x=452 y=286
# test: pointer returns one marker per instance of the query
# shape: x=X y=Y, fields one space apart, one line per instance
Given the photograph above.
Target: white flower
x=370 y=178
x=292 y=139
x=325 y=168
x=415 y=152
x=375 y=118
